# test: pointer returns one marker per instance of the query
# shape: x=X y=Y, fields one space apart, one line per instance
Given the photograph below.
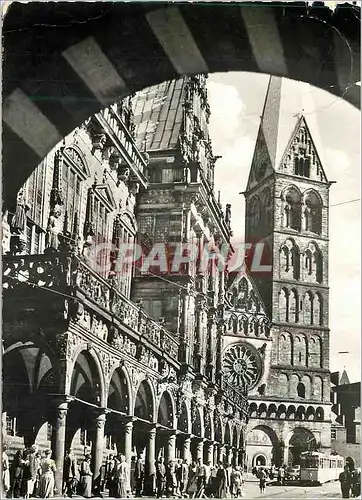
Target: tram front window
x=309 y=462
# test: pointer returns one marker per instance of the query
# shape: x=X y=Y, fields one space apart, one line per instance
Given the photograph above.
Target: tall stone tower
x=287 y=209
x=185 y=290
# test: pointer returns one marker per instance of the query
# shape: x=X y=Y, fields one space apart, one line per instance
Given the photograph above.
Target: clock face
x=261 y=160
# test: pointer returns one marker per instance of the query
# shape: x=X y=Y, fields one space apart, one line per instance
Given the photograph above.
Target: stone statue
x=52 y=232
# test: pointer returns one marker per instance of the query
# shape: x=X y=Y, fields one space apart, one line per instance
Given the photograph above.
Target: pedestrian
x=16 y=474
x=85 y=484
x=5 y=470
x=111 y=481
x=201 y=476
x=139 y=473
x=171 y=481
x=236 y=483
x=192 y=482
x=46 y=480
x=262 y=480
x=122 y=477
x=345 y=480
x=31 y=470
x=160 y=477
x=281 y=476
x=71 y=475
x=184 y=477
x=222 y=481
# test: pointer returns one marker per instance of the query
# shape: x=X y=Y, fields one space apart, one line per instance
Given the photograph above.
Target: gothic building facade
x=100 y=355
x=288 y=380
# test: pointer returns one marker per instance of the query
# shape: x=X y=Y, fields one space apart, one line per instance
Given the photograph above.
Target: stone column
x=128 y=430
x=186 y=454
x=171 y=446
x=228 y=455
x=58 y=441
x=150 y=468
x=98 y=446
x=200 y=449
x=210 y=453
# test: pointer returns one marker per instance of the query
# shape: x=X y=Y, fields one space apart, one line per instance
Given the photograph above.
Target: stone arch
x=29 y=377
x=262 y=439
x=253 y=410
x=272 y=411
x=307 y=382
x=119 y=396
x=235 y=437
x=313 y=263
x=283 y=384
x=283 y=305
x=312 y=215
x=318 y=309
x=208 y=425
x=292 y=207
x=300 y=350
x=282 y=411
x=310 y=413
x=293 y=383
x=254 y=213
x=227 y=433
x=308 y=308
x=87 y=381
x=262 y=410
x=315 y=351
x=267 y=209
x=299 y=440
x=184 y=419
x=300 y=414
x=218 y=432
x=285 y=349
x=319 y=414
x=293 y=312
x=289 y=260
x=291 y=412
x=226 y=50
x=197 y=427
x=144 y=402
x=318 y=388
x=166 y=412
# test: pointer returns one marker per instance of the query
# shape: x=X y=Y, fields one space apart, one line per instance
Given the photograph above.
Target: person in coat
x=122 y=477
x=160 y=477
x=16 y=474
x=71 y=475
x=139 y=473
x=85 y=484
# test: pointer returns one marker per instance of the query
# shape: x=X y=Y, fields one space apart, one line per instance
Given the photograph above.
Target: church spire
x=270 y=117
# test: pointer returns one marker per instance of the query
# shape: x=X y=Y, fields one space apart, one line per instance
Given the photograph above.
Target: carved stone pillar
x=98 y=445
x=150 y=468
x=228 y=455
x=186 y=455
x=210 y=453
x=171 y=446
x=128 y=430
x=199 y=448
x=221 y=454
x=58 y=441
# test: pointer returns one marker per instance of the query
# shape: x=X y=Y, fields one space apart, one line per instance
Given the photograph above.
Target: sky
x=236 y=101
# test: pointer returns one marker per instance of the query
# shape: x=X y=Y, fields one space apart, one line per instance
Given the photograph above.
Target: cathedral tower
x=287 y=200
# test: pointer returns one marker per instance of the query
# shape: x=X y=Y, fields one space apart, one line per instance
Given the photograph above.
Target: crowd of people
x=350 y=480
x=32 y=474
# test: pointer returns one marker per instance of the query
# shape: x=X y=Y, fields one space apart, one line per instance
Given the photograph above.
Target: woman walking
x=46 y=482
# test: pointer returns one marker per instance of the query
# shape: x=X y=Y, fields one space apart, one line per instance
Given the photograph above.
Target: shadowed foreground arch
x=92 y=54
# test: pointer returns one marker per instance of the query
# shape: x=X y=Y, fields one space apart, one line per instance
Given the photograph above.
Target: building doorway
x=259 y=461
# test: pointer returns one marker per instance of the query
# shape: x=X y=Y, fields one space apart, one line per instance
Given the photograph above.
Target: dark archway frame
x=52 y=49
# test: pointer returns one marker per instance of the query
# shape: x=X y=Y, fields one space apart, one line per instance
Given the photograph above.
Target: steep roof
x=344 y=378
x=158 y=115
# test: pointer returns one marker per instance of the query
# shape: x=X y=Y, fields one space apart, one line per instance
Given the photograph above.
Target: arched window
x=300 y=351
x=289 y=260
x=312 y=213
x=254 y=213
x=313 y=264
x=292 y=209
x=306 y=381
x=315 y=352
x=266 y=209
x=318 y=389
x=301 y=390
x=283 y=305
x=293 y=306
x=285 y=349
x=283 y=385
x=308 y=309
x=317 y=310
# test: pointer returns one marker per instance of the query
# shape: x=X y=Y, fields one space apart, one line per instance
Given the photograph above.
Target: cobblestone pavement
x=251 y=490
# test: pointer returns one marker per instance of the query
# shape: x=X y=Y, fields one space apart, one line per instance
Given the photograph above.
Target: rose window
x=242 y=366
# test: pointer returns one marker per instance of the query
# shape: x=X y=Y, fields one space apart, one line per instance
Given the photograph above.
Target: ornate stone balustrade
x=69 y=274
x=110 y=120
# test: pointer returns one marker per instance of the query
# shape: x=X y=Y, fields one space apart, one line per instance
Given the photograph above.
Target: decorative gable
x=300 y=157
x=103 y=191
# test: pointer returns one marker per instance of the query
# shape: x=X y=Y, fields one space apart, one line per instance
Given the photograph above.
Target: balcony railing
x=69 y=274
x=110 y=120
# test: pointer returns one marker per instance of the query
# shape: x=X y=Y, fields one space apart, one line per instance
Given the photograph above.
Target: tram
x=319 y=468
